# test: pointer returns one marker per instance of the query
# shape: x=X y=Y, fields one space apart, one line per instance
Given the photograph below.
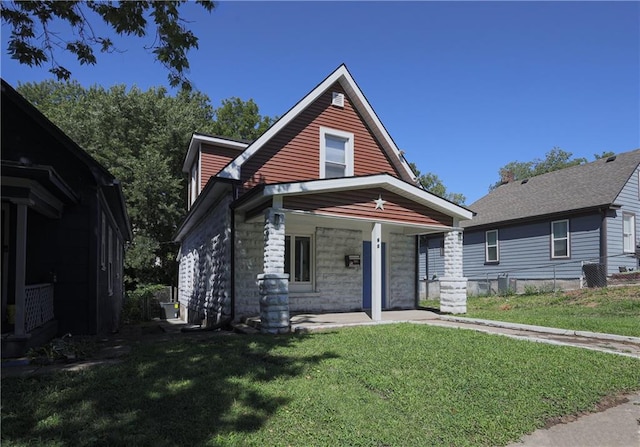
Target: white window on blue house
x=629 y=232
x=492 y=254
x=298 y=261
x=560 y=239
x=336 y=153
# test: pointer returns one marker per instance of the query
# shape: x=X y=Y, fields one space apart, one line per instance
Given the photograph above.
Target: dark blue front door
x=366 y=275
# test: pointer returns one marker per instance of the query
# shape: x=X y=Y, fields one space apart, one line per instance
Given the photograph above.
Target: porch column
x=273 y=284
x=21 y=263
x=376 y=272
x=453 y=285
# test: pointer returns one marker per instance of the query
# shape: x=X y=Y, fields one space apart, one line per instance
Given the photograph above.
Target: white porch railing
x=38 y=305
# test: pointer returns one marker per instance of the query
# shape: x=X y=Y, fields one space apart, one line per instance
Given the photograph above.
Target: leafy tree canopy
x=432 y=183
x=240 y=120
x=141 y=137
x=554 y=160
x=33 y=40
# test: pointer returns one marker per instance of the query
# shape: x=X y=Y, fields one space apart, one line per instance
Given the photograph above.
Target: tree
x=604 y=154
x=432 y=183
x=33 y=40
x=142 y=137
x=240 y=120
x=554 y=160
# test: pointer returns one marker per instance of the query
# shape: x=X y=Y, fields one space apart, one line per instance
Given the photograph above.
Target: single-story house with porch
x=64 y=225
x=563 y=229
x=319 y=214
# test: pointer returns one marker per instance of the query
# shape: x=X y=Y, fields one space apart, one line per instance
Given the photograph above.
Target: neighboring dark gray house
x=542 y=230
x=64 y=225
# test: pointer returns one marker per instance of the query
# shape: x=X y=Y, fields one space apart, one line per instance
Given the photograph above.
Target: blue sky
x=462 y=87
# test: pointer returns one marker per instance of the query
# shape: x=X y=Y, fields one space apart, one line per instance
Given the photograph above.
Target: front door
x=366 y=275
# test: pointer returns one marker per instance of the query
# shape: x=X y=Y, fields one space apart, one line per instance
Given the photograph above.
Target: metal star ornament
x=380 y=203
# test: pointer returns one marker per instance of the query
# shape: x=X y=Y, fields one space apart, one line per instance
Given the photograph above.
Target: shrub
x=140 y=302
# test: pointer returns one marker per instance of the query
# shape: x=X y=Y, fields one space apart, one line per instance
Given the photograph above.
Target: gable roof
x=197 y=138
x=589 y=186
x=341 y=75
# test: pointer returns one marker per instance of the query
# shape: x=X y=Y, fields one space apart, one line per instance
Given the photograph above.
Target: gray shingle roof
x=579 y=187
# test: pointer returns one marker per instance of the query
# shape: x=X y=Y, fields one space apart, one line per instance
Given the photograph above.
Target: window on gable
x=298 y=259
x=336 y=153
x=629 y=232
x=491 y=246
x=560 y=239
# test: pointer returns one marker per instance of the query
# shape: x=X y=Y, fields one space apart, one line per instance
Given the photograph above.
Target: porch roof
x=265 y=193
x=38 y=186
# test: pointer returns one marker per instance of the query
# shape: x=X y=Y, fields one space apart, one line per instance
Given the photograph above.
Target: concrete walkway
x=610 y=343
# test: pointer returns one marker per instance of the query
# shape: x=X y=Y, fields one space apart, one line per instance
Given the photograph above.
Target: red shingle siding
x=214 y=158
x=294 y=153
x=361 y=204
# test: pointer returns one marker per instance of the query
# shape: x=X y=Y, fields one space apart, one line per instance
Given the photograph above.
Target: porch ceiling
x=277 y=195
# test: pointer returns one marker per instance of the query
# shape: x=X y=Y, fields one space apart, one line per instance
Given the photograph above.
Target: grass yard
x=388 y=385
x=614 y=310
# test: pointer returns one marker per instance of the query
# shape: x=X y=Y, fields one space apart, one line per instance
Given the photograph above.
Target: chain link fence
x=614 y=270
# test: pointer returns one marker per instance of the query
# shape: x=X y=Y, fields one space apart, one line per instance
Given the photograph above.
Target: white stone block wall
x=337 y=288
x=401 y=257
x=204 y=280
x=249 y=263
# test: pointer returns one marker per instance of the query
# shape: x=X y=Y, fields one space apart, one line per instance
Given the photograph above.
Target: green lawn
x=387 y=385
x=614 y=310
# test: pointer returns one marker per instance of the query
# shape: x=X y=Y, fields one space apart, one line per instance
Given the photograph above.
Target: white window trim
x=302 y=286
x=348 y=136
x=632 y=235
x=554 y=239
x=487 y=246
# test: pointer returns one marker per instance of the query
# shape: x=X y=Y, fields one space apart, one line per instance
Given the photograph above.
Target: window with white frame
x=492 y=253
x=629 y=232
x=193 y=184
x=298 y=261
x=560 y=239
x=336 y=153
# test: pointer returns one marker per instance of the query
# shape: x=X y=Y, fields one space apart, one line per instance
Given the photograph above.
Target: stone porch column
x=273 y=284
x=453 y=285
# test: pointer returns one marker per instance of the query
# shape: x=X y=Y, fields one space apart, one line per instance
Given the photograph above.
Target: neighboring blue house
x=540 y=232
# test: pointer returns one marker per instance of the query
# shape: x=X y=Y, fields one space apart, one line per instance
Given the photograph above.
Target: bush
x=140 y=303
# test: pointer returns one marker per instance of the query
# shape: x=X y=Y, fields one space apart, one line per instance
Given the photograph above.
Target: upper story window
x=193 y=184
x=629 y=232
x=492 y=253
x=560 y=239
x=336 y=153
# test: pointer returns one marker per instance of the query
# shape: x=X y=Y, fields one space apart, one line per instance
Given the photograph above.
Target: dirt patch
x=505 y=307
x=604 y=404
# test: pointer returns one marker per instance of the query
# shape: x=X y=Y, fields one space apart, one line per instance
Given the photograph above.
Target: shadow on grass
x=191 y=391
